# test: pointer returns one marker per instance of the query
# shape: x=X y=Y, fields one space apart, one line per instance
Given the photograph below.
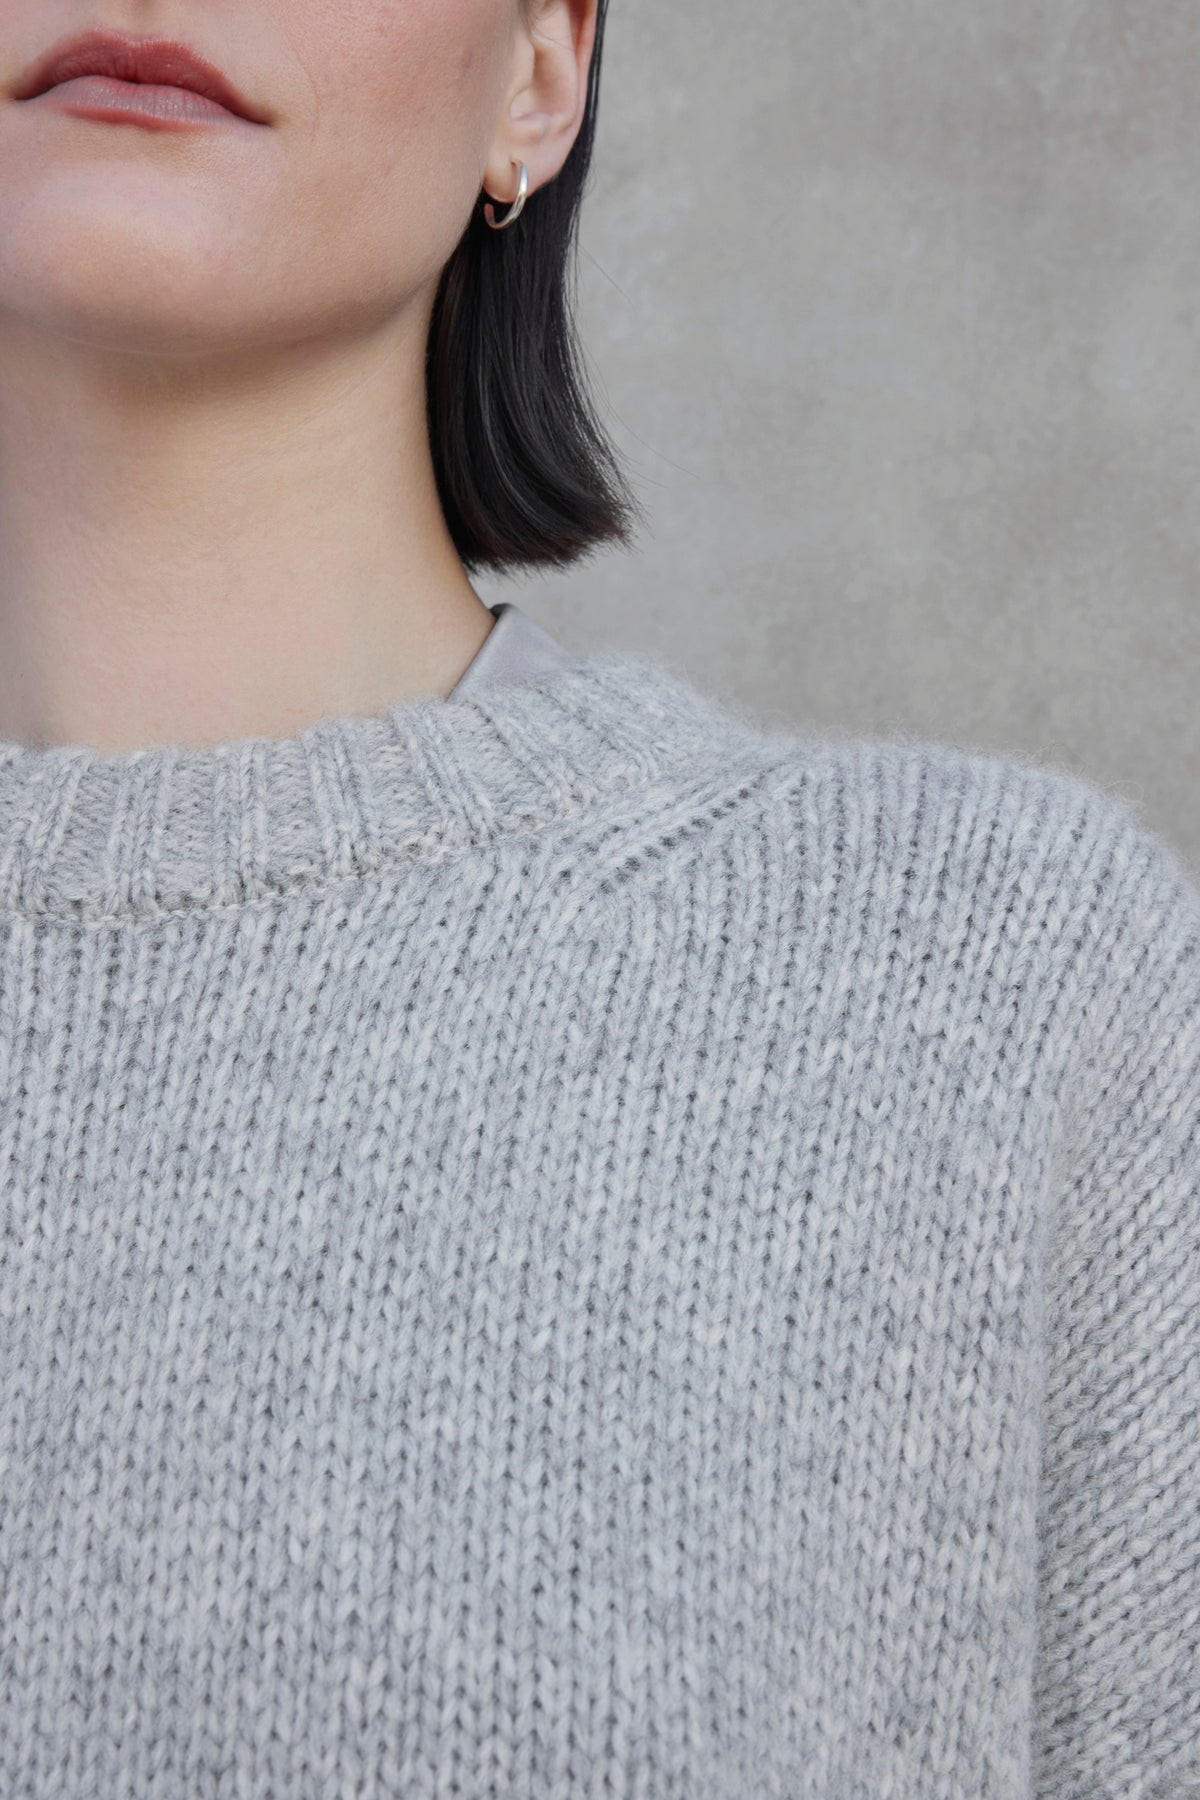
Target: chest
x=419 y=1401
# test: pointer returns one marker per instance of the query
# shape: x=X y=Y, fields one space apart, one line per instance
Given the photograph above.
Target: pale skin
x=218 y=517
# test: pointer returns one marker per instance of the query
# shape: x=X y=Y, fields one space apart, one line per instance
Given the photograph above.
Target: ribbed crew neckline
x=91 y=834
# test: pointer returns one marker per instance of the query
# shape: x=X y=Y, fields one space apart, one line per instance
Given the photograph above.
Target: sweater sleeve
x=1117 y=1683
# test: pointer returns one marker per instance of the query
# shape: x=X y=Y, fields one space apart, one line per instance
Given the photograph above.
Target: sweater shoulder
x=937 y=842
x=917 y=821
x=997 y=814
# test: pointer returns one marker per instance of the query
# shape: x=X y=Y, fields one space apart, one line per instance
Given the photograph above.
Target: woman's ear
x=546 y=96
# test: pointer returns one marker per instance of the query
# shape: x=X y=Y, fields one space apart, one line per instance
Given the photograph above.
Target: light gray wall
x=893 y=306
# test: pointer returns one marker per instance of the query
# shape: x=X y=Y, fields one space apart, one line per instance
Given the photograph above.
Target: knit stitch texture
x=566 y=1240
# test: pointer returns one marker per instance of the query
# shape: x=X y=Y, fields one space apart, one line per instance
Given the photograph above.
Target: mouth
x=102 y=70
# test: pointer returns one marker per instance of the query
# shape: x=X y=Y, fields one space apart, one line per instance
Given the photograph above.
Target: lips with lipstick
x=145 y=80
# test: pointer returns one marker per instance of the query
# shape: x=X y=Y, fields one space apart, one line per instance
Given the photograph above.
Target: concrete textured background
x=891 y=307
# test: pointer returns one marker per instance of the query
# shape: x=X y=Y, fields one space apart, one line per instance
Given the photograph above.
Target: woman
x=553 y=1239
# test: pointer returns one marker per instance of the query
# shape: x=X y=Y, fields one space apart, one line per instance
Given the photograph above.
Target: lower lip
x=136 y=103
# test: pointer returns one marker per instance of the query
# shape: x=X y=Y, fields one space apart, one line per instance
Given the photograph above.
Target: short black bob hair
x=525 y=472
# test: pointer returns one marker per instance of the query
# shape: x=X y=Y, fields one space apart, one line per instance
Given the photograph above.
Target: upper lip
x=138 y=59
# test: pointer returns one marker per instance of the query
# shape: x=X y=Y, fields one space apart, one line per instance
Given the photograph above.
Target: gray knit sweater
x=567 y=1241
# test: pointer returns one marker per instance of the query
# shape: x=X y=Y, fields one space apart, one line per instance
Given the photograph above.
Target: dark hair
x=525 y=472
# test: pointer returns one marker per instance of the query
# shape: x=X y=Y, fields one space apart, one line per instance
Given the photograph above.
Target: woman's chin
x=116 y=292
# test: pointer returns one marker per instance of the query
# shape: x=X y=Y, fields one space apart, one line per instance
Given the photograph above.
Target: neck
x=192 y=557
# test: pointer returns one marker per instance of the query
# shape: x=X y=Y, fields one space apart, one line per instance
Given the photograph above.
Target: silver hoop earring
x=514 y=211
